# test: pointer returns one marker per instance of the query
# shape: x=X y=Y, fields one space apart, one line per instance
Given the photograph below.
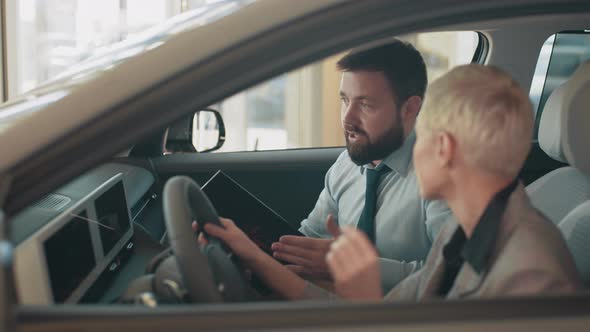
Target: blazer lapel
x=433 y=279
x=467 y=282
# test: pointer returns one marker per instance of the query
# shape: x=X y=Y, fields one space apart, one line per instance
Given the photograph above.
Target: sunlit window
x=50 y=36
x=46 y=39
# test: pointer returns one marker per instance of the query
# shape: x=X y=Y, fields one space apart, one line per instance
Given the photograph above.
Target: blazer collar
x=468 y=280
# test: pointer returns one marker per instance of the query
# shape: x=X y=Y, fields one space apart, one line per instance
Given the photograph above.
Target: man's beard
x=362 y=153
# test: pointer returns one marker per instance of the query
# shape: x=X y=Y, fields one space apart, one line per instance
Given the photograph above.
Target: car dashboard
x=84 y=243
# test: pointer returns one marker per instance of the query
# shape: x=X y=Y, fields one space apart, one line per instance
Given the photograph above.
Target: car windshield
x=105 y=58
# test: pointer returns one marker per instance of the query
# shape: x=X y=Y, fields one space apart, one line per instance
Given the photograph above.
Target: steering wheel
x=209 y=273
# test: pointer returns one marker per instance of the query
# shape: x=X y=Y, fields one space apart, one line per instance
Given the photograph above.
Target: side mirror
x=208 y=130
x=202 y=131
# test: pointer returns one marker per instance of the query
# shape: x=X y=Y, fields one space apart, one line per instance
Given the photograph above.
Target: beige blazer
x=530 y=257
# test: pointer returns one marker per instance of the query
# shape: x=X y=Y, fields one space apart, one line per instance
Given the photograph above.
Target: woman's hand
x=233 y=237
x=354 y=264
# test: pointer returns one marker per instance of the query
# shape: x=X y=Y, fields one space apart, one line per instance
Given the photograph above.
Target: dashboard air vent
x=53 y=202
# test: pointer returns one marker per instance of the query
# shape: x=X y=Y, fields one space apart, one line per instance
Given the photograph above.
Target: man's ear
x=446 y=147
x=409 y=112
x=411 y=108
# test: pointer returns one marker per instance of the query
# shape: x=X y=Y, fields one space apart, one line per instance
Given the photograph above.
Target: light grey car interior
x=563 y=195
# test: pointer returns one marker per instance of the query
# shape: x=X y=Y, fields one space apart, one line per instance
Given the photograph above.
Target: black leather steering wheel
x=209 y=273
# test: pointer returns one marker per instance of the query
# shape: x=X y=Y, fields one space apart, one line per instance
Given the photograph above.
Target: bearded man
x=372 y=185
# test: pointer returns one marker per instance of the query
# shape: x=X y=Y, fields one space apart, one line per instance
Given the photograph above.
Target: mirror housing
x=202 y=131
x=208 y=130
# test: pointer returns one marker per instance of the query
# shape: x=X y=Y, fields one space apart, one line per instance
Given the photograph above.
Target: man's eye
x=365 y=105
x=344 y=100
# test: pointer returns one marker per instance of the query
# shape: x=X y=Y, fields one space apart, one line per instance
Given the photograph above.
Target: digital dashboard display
x=70 y=256
x=112 y=215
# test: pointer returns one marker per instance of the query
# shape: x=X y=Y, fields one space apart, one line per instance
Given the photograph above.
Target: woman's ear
x=446 y=147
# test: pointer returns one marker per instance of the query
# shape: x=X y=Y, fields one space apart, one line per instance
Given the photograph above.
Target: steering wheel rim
x=209 y=274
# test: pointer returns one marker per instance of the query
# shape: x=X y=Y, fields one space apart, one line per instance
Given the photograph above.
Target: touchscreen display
x=113 y=217
x=70 y=257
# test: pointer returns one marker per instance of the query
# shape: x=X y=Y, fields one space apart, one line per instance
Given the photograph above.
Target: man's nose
x=350 y=114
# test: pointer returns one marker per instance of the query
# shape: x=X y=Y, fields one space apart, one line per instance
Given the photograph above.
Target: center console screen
x=113 y=216
x=67 y=258
x=70 y=256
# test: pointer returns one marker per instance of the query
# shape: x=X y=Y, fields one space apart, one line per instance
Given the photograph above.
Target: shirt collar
x=477 y=249
x=399 y=160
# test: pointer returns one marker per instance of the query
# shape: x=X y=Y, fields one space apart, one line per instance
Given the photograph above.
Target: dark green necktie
x=367 y=219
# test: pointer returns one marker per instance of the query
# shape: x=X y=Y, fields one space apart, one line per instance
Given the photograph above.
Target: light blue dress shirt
x=406 y=225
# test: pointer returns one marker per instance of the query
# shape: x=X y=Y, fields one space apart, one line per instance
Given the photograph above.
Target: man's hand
x=354 y=264
x=307 y=256
x=239 y=243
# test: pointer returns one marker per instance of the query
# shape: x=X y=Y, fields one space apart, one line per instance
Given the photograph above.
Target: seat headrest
x=564 y=130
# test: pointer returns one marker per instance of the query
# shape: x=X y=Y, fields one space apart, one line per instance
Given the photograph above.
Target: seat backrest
x=559 y=192
x=564 y=134
x=563 y=195
x=576 y=230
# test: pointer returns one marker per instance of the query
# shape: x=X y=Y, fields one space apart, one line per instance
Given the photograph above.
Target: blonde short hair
x=486 y=111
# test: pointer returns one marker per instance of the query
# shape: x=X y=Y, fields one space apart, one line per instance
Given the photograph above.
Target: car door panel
x=288 y=181
x=512 y=314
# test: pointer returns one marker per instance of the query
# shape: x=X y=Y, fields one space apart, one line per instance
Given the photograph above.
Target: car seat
x=563 y=195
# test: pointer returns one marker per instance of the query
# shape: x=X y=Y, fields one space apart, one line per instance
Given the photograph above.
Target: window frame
x=543 y=69
x=301 y=86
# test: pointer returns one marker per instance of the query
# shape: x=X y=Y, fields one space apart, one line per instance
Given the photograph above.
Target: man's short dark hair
x=399 y=61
